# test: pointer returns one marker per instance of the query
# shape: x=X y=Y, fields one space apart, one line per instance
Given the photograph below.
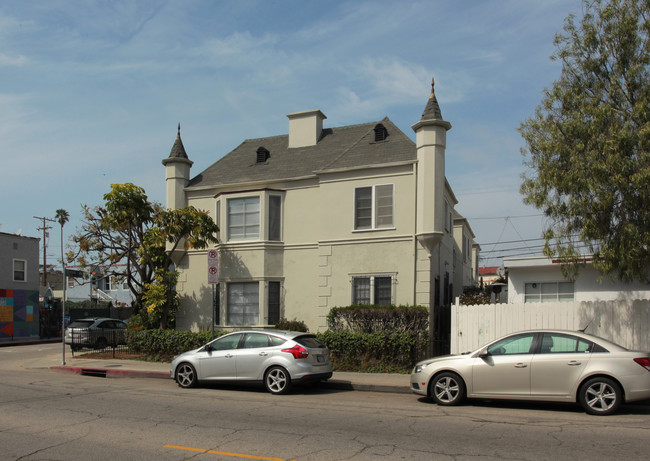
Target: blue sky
x=92 y=91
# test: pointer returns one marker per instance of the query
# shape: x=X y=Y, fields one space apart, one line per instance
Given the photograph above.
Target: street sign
x=213 y=266
x=74 y=273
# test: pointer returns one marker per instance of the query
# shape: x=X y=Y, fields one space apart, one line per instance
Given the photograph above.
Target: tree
x=142 y=237
x=588 y=144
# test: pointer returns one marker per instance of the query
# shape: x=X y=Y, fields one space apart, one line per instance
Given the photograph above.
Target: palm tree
x=62 y=217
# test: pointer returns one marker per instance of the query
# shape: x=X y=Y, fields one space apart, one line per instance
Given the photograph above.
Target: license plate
x=320 y=358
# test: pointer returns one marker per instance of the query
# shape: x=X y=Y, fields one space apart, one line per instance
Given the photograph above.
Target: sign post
x=213 y=279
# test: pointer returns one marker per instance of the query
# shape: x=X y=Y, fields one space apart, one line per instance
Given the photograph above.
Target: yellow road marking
x=225 y=453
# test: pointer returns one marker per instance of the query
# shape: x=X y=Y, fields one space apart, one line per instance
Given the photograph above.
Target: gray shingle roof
x=346 y=147
x=178 y=150
x=432 y=109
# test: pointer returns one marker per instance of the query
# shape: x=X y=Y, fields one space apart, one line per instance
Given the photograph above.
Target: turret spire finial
x=179 y=129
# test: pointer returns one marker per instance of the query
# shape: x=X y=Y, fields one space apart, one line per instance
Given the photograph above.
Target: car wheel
x=186 y=375
x=277 y=380
x=600 y=396
x=447 y=389
x=101 y=343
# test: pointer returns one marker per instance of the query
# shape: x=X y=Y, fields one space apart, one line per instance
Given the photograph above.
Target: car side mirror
x=208 y=348
x=483 y=353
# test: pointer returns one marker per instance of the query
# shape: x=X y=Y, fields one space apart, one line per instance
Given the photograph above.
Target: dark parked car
x=97 y=333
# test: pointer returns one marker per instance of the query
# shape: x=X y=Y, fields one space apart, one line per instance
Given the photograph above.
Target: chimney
x=305 y=128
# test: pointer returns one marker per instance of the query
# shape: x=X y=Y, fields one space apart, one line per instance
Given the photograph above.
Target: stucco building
x=19 y=280
x=323 y=217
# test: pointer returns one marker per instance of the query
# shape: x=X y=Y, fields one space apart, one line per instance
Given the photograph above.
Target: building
x=323 y=217
x=540 y=279
x=19 y=281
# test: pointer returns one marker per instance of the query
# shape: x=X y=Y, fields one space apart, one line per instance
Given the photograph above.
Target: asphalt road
x=53 y=416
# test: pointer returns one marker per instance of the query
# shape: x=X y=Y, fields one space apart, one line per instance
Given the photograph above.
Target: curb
x=110 y=373
x=329 y=384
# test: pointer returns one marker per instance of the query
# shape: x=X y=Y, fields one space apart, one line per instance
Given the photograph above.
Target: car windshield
x=309 y=341
x=80 y=323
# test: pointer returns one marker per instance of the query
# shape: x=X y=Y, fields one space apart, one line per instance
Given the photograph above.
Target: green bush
x=371 y=319
x=378 y=352
x=164 y=344
x=291 y=325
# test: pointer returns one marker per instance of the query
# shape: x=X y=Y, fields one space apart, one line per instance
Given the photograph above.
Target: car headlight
x=420 y=367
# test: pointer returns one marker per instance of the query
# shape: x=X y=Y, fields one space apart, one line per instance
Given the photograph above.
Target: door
x=505 y=370
x=559 y=364
x=252 y=356
x=218 y=360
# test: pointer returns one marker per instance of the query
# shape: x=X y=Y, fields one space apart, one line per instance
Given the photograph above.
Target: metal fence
x=84 y=340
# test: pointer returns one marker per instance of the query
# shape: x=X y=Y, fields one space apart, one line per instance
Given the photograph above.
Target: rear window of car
x=308 y=341
x=80 y=323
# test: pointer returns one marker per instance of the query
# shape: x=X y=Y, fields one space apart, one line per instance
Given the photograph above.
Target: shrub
x=371 y=319
x=292 y=325
x=164 y=344
x=378 y=352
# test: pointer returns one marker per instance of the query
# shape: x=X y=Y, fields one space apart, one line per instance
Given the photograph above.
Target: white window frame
x=24 y=270
x=246 y=235
x=373 y=207
x=552 y=293
x=371 y=278
x=246 y=304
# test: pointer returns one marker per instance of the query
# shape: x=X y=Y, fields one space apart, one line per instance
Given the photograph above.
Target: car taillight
x=297 y=351
x=644 y=362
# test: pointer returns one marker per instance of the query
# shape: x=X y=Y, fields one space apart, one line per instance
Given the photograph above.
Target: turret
x=431 y=142
x=177 y=174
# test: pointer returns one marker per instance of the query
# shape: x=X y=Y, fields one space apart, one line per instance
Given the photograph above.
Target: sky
x=91 y=93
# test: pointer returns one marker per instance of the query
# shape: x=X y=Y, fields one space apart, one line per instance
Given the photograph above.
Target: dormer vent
x=381 y=133
x=263 y=154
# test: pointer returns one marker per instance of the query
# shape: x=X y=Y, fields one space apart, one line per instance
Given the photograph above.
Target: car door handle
x=263 y=354
x=574 y=363
x=520 y=365
x=229 y=356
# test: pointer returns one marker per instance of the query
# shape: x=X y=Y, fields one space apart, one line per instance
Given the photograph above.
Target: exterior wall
x=19 y=305
x=588 y=286
x=623 y=322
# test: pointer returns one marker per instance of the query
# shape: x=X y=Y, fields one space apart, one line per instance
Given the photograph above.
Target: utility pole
x=45 y=228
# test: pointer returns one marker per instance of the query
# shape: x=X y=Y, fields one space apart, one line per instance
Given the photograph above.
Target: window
x=244 y=218
x=373 y=207
x=274 y=303
x=226 y=343
x=517 y=344
x=275 y=217
x=20 y=270
x=376 y=290
x=553 y=343
x=381 y=133
x=243 y=303
x=548 y=292
x=255 y=340
x=447 y=217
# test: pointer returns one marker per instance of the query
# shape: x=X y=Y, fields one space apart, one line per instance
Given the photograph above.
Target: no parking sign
x=213 y=269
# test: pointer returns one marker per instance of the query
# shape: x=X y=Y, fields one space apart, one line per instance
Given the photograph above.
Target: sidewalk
x=116 y=368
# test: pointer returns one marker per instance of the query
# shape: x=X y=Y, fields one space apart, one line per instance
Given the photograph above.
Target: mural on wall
x=18 y=313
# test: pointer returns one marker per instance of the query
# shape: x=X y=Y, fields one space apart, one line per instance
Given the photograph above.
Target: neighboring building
x=466 y=252
x=539 y=279
x=98 y=284
x=325 y=217
x=19 y=279
x=489 y=274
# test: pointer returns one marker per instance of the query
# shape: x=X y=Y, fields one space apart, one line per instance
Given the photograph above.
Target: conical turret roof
x=432 y=110
x=178 y=150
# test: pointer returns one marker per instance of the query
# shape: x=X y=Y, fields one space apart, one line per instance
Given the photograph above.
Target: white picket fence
x=624 y=322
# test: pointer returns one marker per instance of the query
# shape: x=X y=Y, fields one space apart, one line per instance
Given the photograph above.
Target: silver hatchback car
x=545 y=365
x=278 y=359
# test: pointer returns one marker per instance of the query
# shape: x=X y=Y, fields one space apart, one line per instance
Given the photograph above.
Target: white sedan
x=543 y=365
